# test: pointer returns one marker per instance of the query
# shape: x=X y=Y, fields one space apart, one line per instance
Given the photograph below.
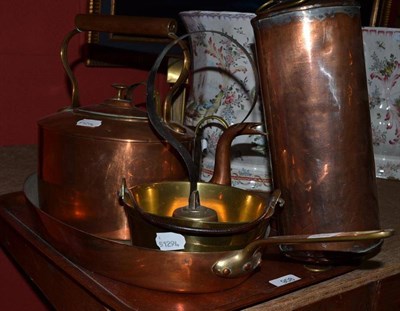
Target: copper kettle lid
x=120 y=106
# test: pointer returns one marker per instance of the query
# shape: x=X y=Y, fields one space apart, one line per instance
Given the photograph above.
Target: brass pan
x=242 y=216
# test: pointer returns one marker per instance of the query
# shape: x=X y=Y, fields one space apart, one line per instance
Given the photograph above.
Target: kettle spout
x=222 y=167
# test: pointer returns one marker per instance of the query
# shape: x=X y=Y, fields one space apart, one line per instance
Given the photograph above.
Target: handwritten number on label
x=284 y=280
x=168 y=244
x=170 y=241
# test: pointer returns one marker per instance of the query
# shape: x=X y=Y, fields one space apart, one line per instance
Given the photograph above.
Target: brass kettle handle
x=244 y=261
x=146 y=28
x=183 y=76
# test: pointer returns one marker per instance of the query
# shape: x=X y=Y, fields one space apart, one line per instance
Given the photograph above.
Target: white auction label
x=89 y=123
x=284 y=280
x=170 y=241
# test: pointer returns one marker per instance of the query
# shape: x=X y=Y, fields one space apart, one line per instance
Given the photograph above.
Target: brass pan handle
x=244 y=261
x=139 y=27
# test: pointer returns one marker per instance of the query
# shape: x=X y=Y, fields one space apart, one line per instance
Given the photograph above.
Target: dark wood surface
x=66 y=284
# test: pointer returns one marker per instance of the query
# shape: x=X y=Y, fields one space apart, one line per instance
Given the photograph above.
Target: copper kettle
x=84 y=150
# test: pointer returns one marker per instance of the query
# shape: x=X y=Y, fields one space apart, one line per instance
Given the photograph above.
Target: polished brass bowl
x=242 y=215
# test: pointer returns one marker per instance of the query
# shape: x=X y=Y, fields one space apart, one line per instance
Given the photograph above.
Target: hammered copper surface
x=311 y=66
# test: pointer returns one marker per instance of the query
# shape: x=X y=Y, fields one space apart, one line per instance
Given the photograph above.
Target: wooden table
x=372 y=286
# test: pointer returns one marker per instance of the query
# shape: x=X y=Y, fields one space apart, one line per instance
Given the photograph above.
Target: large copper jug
x=311 y=66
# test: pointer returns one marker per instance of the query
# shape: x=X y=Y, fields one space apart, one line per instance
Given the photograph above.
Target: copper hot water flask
x=313 y=81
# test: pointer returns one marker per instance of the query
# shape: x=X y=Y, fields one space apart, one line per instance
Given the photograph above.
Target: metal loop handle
x=180 y=81
x=212 y=117
x=155 y=119
x=143 y=27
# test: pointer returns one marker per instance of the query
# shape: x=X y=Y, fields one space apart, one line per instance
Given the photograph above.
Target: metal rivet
x=226 y=271
x=247 y=266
